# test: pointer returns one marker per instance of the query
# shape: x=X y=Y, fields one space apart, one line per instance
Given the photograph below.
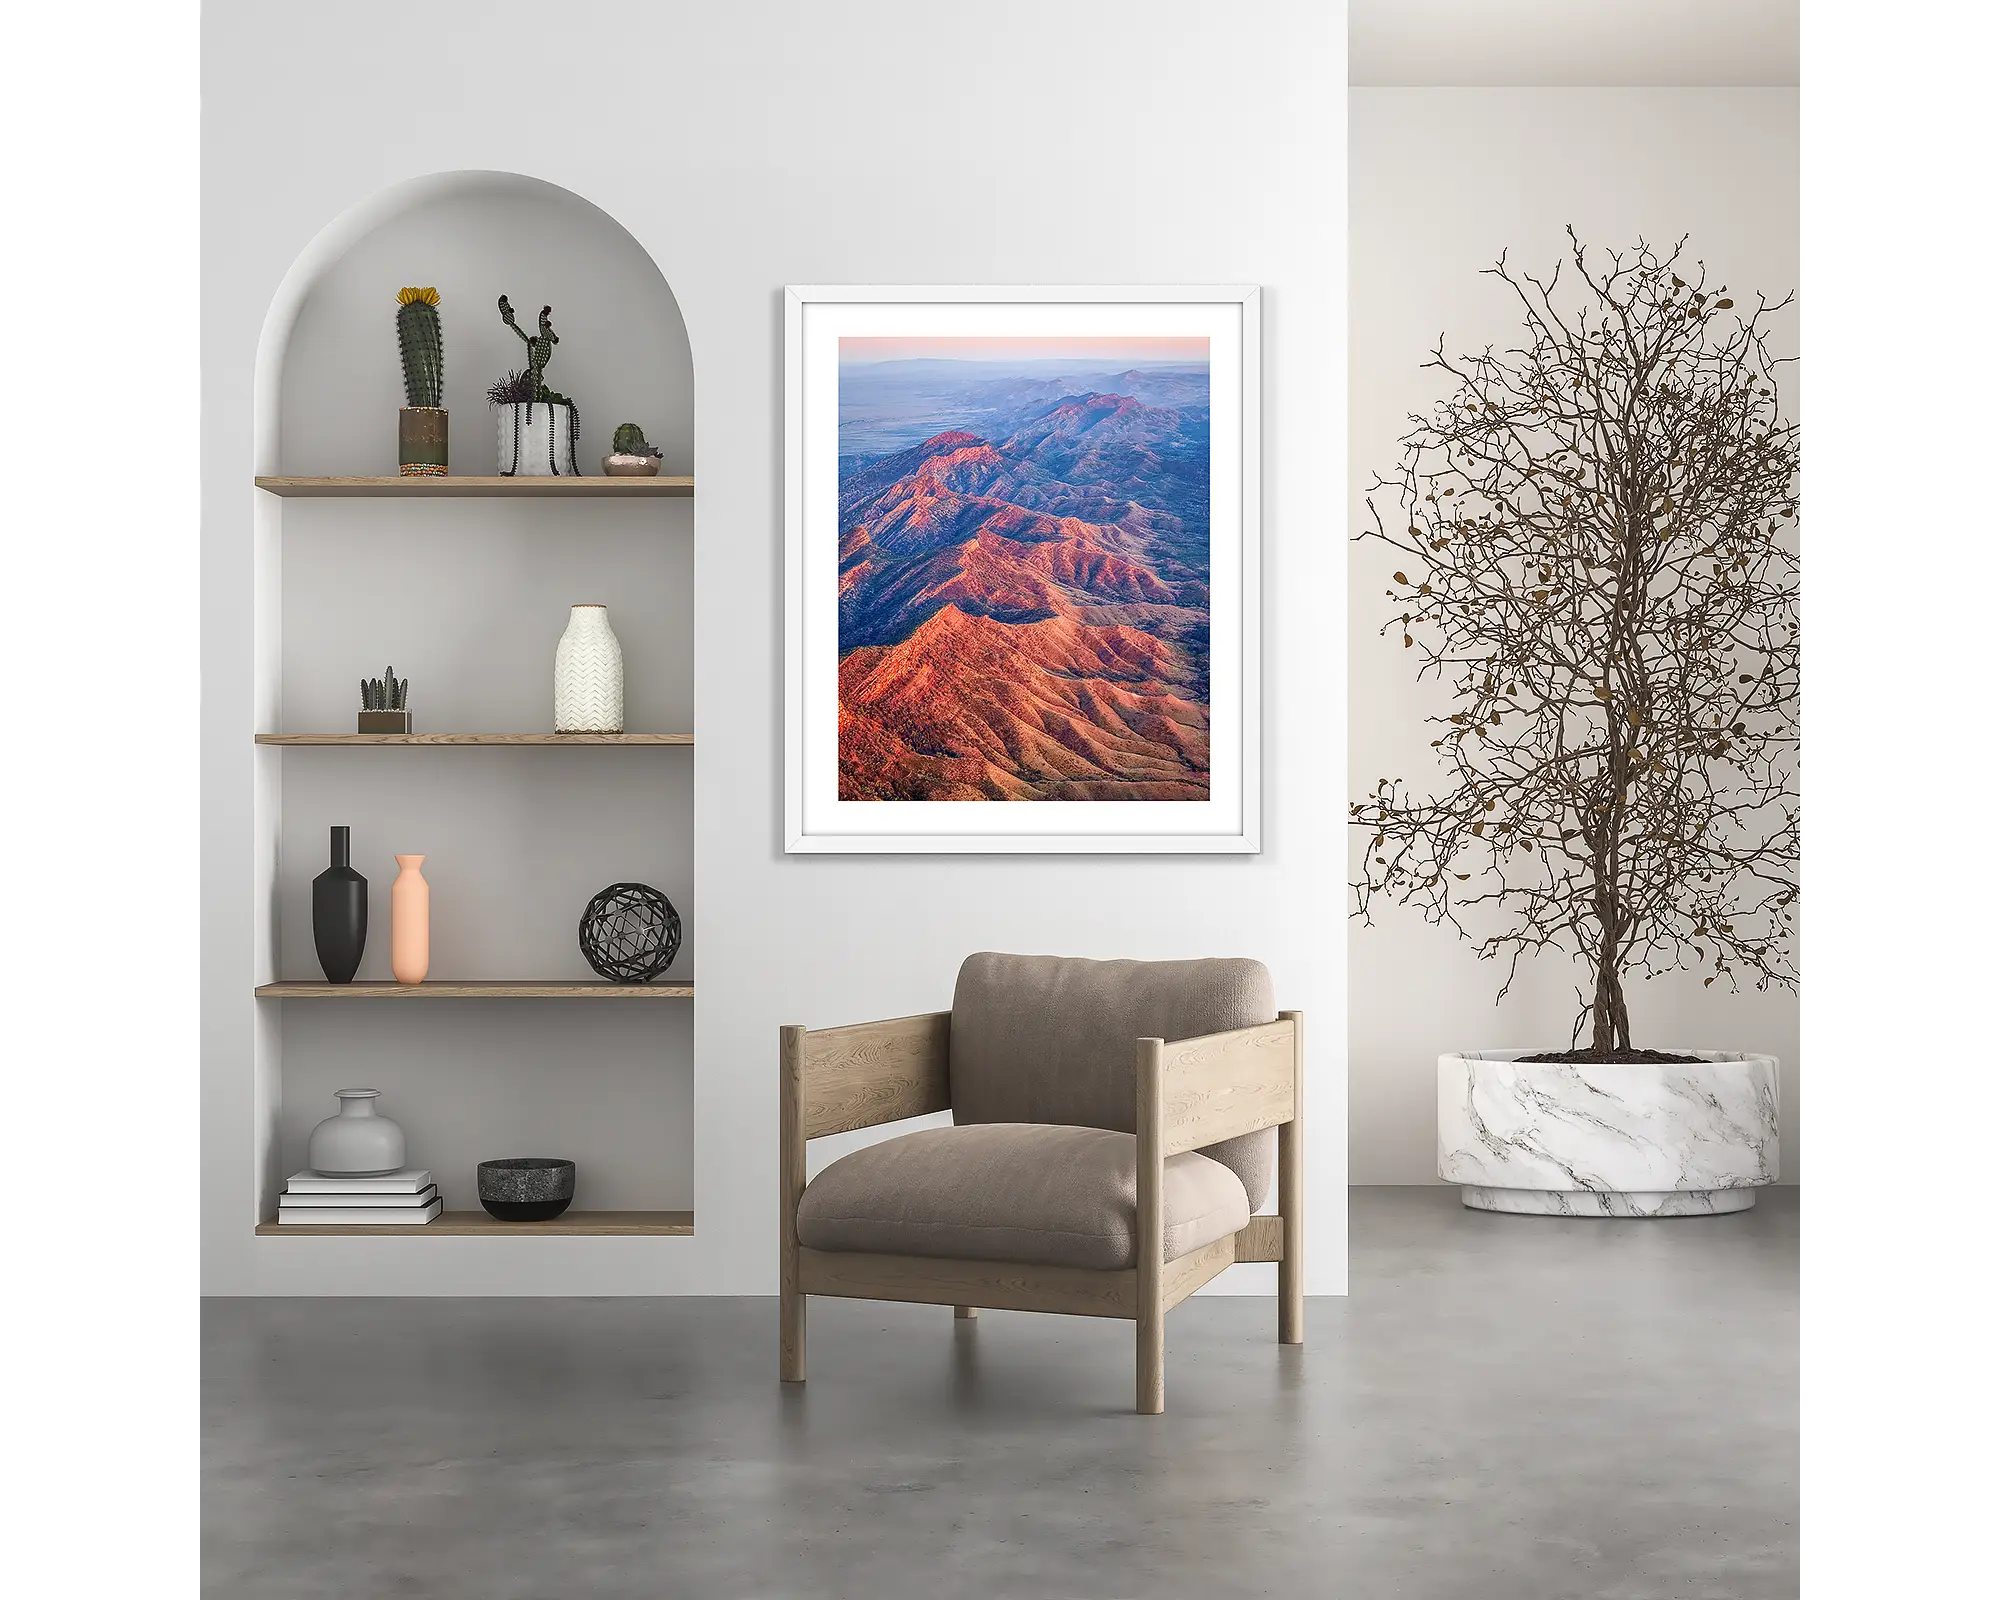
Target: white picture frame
x=817 y=818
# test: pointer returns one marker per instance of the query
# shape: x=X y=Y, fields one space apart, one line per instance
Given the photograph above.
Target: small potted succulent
x=423 y=426
x=538 y=427
x=631 y=456
x=385 y=704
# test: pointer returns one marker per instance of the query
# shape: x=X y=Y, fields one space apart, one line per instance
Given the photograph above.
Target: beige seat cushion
x=1011 y=1191
x=1052 y=1039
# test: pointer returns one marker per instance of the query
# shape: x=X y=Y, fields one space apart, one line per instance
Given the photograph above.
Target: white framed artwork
x=1021 y=577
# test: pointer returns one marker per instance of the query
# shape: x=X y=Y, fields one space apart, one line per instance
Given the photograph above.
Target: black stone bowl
x=527 y=1188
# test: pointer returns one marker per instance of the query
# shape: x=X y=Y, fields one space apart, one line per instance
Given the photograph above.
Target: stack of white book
x=401 y=1200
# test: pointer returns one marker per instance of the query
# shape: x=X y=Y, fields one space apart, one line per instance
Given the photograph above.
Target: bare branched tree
x=1596 y=555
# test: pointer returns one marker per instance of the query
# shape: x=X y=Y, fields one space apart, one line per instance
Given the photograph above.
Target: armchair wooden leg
x=1292 y=1268
x=1152 y=1362
x=791 y=1186
x=1151 y=1351
x=965 y=1313
x=791 y=1335
x=1292 y=1198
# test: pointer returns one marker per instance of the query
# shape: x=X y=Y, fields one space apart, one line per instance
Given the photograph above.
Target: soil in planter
x=1615 y=1058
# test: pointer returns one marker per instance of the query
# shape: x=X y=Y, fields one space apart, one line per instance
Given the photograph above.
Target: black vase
x=340 y=915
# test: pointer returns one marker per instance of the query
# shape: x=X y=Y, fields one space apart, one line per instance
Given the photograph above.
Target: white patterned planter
x=590 y=674
x=538 y=441
x=1646 y=1140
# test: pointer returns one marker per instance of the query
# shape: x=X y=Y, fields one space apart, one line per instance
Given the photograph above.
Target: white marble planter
x=1668 y=1140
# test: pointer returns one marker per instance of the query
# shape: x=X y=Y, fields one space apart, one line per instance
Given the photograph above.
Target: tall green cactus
x=422 y=342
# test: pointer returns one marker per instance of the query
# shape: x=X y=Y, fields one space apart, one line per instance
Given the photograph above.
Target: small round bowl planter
x=617 y=466
x=1669 y=1139
x=527 y=1188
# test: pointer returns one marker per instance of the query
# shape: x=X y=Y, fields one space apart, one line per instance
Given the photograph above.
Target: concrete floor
x=1502 y=1407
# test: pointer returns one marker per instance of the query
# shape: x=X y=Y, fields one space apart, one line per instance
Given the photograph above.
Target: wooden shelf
x=454 y=487
x=454 y=739
x=479 y=989
x=477 y=1224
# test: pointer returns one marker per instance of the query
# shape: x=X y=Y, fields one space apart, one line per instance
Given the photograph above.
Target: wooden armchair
x=1081 y=1175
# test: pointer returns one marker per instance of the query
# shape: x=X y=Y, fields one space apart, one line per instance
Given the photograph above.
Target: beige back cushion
x=1050 y=1039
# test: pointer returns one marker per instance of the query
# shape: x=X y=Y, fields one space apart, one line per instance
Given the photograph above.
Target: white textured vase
x=1666 y=1139
x=590 y=674
x=538 y=441
x=357 y=1141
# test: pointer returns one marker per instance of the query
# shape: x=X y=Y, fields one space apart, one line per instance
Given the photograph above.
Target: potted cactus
x=385 y=704
x=631 y=456
x=538 y=427
x=423 y=426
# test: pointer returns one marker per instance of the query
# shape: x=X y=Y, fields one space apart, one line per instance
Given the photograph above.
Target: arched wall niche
x=328 y=377
x=467 y=597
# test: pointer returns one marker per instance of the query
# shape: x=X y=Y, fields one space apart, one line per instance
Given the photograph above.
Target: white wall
x=1442 y=180
x=1577 y=43
x=746 y=147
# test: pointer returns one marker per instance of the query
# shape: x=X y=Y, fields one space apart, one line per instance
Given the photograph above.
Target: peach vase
x=410 y=922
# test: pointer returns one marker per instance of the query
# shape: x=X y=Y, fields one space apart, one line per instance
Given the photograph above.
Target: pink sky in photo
x=1116 y=349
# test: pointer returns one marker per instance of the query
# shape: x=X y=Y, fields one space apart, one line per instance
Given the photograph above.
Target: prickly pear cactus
x=541 y=346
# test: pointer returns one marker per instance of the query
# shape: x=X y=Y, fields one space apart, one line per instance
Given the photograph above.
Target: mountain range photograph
x=1024 y=569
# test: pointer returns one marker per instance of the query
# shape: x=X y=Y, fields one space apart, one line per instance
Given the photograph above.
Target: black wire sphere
x=630 y=933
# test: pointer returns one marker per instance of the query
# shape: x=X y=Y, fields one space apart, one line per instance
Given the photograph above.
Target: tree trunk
x=1610 y=1027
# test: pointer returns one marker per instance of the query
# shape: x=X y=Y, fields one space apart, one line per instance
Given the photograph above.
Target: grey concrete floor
x=1502 y=1407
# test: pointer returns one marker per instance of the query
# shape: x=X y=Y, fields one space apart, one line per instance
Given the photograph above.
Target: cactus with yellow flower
x=423 y=435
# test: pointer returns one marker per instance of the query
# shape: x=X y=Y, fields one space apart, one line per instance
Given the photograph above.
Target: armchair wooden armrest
x=834 y=1080
x=1222 y=1085
x=868 y=1074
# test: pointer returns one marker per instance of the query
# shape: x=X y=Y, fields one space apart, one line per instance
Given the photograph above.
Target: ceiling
x=1573 y=43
